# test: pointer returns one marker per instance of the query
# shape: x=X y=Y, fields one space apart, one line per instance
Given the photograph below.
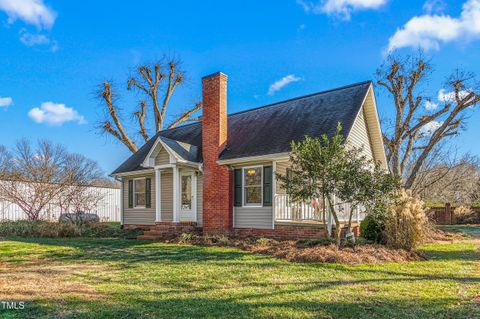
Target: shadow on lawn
x=265 y=297
x=147 y=306
x=133 y=251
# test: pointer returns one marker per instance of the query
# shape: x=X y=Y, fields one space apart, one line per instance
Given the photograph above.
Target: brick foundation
x=168 y=229
x=293 y=232
x=283 y=232
x=133 y=226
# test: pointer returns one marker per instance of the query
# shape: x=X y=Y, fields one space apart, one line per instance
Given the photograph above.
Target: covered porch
x=287 y=212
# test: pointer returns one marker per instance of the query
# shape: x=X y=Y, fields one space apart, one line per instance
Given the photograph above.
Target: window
x=186 y=192
x=252 y=185
x=139 y=192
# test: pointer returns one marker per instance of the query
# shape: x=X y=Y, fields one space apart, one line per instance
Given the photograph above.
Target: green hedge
x=24 y=228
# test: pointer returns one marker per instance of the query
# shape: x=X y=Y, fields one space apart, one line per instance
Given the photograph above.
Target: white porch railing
x=285 y=210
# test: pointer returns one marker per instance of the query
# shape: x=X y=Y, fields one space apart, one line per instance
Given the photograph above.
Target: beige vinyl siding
x=281 y=169
x=167 y=195
x=253 y=217
x=138 y=216
x=200 y=199
x=162 y=157
x=359 y=136
x=374 y=130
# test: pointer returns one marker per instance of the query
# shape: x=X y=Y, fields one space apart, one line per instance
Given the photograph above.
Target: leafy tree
x=366 y=184
x=326 y=167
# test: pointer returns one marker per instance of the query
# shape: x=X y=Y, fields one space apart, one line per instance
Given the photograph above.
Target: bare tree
x=34 y=177
x=454 y=181
x=156 y=85
x=416 y=131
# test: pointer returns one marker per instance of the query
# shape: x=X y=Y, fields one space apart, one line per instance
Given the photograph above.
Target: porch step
x=164 y=230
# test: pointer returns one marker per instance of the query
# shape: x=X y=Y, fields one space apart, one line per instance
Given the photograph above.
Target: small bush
x=217 y=240
x=263 y=241
x=301 y=243
x=189 y=238
x=372 y=228
x=24 y=228
x=465 y=215
x=21 y=228
x=407 y=225
x=55 y=230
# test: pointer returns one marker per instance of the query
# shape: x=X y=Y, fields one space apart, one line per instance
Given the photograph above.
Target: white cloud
x=33 y=12
x=340 y=8
x=38 y=40
x=429 y=31
x=430 y=127
x=55 y=114
x=279 y=84
x=430 y=106
x=6 y=101
x=434 y=6
x=445 y=96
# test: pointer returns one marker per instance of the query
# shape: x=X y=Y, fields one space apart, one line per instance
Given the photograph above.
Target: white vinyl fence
x=108 y=209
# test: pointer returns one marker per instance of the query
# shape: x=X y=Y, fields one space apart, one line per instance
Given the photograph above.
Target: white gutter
x=137 y=172
x=242 y=160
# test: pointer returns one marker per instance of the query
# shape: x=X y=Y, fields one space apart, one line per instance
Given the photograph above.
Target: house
x=219 y=174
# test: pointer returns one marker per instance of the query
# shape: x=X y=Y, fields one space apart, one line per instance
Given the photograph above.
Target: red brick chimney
x=217 y=179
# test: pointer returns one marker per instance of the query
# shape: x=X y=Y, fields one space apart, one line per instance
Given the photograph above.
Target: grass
x=469 y=230
x=114 y=278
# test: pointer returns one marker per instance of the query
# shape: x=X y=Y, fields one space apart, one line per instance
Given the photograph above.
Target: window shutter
x=267 y=186
x=148 y=192
x=130 y=193
x=237 y=191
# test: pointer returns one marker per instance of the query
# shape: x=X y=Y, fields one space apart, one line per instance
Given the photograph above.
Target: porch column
x=176 y=191
x=274 y=192
x=158 y=195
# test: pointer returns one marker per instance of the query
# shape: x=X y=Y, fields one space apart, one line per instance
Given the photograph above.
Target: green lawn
x=112 y=278
x=469 y=230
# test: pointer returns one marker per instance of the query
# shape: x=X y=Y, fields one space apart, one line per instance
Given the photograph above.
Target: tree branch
x=120 y=132
x=186 y=116
x=141 y=120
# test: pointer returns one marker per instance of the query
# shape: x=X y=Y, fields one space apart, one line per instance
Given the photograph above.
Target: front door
x=187 y=197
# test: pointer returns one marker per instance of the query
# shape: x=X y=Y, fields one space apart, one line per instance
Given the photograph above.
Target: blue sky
x=55 y=53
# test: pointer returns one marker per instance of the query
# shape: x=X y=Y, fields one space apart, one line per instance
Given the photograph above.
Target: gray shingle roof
x=268 y=129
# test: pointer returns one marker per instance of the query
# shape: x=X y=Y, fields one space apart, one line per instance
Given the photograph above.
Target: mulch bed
x=360 y=254
x=295 y=251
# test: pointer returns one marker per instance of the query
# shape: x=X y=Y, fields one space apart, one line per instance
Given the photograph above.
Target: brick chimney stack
x=217 y=179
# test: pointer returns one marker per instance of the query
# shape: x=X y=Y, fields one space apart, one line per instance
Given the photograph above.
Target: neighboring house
x=219 y=174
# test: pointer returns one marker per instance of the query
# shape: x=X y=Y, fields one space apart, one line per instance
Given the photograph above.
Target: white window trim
x=135 y=193
x=243 y=187
x=191 y=174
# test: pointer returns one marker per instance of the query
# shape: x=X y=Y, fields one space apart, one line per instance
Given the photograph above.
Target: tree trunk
x=324 y=217
x=354 y=207
x=337 y=222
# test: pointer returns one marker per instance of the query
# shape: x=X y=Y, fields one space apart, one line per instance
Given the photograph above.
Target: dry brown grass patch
x=43 y=280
